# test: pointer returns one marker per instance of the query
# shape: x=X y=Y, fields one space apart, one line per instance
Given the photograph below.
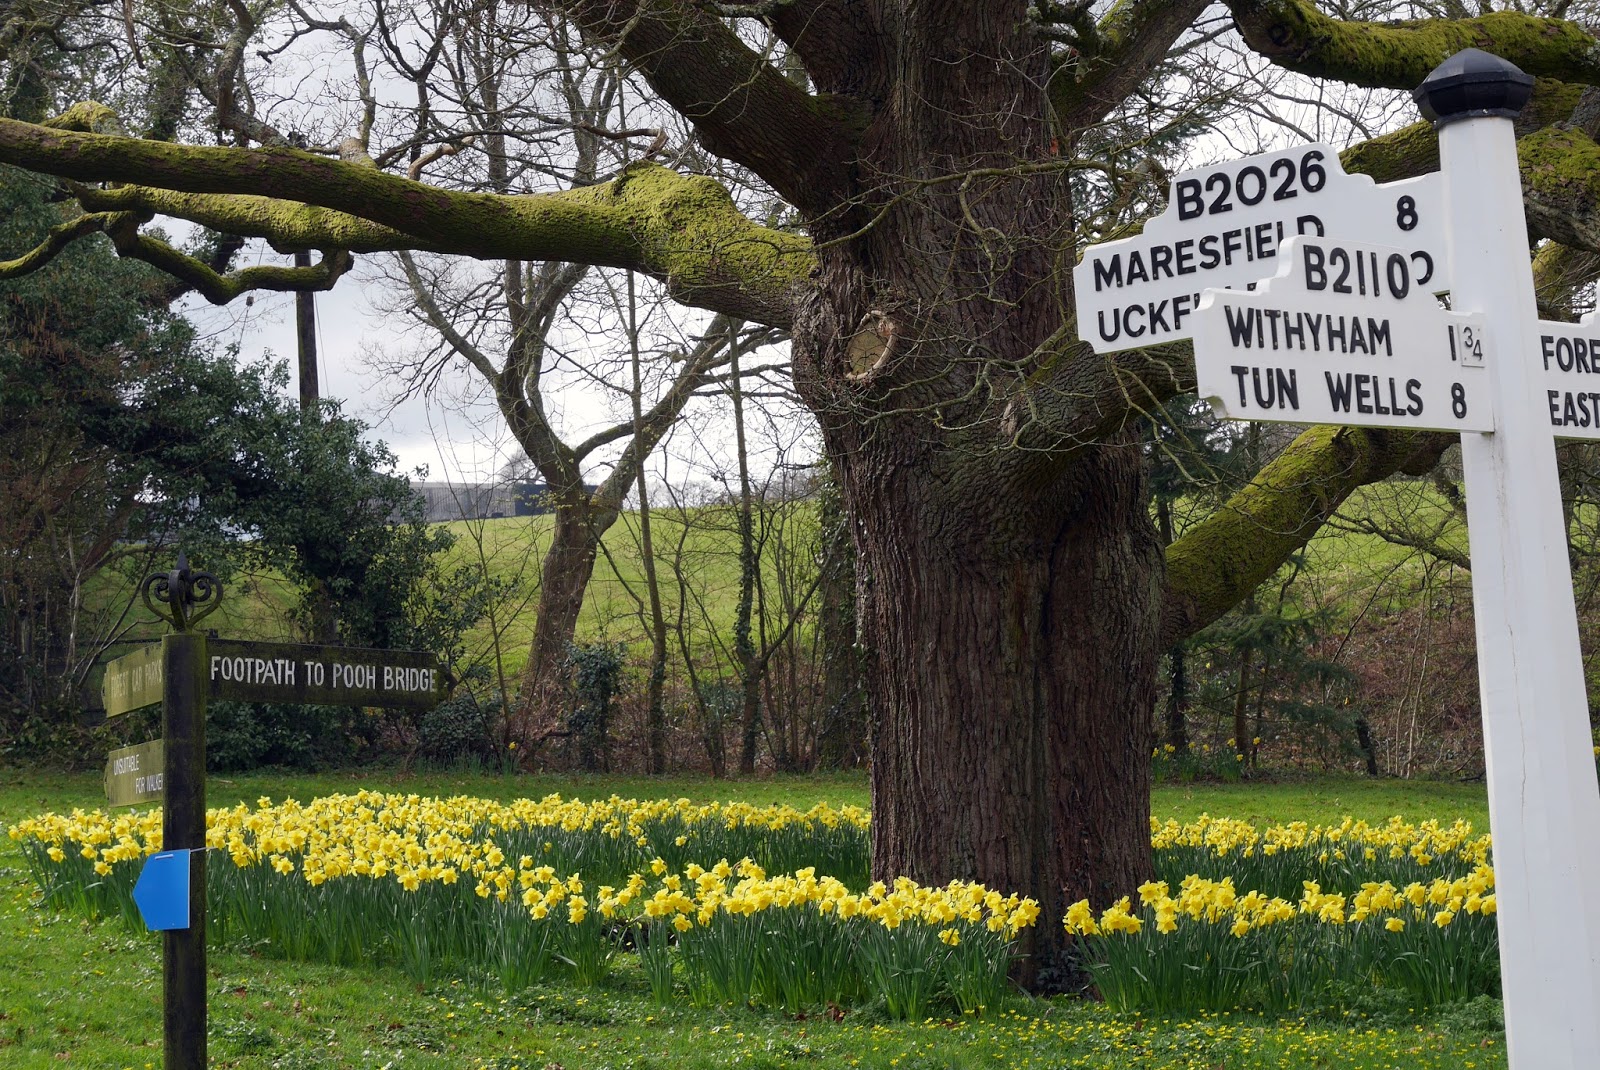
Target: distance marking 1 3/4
x=1223 y=227
x=1344 y=334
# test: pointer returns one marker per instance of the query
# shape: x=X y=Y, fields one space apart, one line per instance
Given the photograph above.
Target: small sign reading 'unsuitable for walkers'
x=136 y=774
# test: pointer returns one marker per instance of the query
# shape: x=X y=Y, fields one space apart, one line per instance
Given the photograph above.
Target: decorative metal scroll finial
x=185 y=595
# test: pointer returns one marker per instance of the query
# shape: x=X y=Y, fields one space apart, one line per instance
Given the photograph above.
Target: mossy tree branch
x=1295 y=35
x=219 y=288
x=1220 y=560
x=289 y=226
x=1076 y=397
x=1414 y=150
x=1125 y=45
x=743 y=109
x=1561 y=186
x=57 y=239
x=684 y=231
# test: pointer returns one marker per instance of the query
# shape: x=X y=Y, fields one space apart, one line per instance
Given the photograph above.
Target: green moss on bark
x=1227 y=555
x=683 y=230
x=1561 y=186
x=707 y=251
x=1399 y=55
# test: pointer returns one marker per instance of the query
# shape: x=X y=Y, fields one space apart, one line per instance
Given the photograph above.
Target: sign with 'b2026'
x=1223 y=227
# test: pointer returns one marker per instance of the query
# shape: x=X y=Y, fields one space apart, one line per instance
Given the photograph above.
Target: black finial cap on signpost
x=1471 y=84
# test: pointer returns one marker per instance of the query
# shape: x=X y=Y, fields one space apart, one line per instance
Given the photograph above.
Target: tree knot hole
x=875 y=341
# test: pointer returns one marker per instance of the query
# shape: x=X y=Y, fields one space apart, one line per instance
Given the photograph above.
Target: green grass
x=86 y=993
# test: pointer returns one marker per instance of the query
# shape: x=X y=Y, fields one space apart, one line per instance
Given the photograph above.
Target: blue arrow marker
x=162 y=891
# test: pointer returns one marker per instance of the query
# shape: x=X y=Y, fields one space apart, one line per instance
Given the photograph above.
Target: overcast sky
x=457 y=434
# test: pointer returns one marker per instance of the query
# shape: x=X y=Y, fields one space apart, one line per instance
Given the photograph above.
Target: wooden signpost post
x=181 y=673
x=1281 y=345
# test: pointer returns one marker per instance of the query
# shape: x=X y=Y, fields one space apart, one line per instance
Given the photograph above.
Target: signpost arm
x=1544 y=803
x=183 y=827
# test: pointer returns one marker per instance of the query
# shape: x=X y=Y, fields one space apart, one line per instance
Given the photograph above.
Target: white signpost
x=1257 y=356
x=1223 y=227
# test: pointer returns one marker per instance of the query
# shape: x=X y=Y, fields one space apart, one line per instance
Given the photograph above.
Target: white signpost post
x=1287 y=352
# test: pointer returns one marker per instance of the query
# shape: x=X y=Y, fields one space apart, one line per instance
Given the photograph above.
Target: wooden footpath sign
x=241 y=671
x=321 y=675
x=183 y=672
x=1338 y=323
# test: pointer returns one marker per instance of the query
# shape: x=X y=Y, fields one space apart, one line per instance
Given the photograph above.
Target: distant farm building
x=445 y=502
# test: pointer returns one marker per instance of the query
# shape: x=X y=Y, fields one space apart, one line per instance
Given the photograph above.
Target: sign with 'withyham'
x=1343 y=335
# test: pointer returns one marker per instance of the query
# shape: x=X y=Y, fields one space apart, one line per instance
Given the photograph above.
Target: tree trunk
x=842 y=735
x=1011 y=674
x=564 y=577
x=744 y=646
x=1177 y=657
x=1241 y=703
x=1009 y=596
x=1369 y=751
x=655 y=711
x=1178 y=699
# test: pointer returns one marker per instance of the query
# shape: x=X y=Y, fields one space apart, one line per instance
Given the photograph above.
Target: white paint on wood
x=1544 y=802
x=1342 y=335
x=1223 y=227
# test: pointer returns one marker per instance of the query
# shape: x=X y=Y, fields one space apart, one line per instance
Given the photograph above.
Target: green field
x=1321 y=799
x=699 y=545
x=85 y=993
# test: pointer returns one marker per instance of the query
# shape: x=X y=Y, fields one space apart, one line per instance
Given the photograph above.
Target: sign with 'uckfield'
x=1223 y=228
x=321 y=675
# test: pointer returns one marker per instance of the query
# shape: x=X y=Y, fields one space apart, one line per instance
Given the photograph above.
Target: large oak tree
x=1014 y=597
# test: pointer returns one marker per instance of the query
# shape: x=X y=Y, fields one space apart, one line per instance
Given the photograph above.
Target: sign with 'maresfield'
x=1224 y=226
x=321 y=675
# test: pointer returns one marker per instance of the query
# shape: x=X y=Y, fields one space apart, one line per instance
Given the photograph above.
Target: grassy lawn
x=1313 y=799
x=84 y=993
